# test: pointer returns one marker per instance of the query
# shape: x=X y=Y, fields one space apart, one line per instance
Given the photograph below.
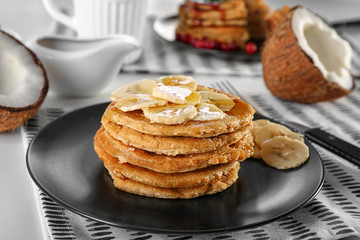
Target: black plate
x=164 y=28
x=62 y=162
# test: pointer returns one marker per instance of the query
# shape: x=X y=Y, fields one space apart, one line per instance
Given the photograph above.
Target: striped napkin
x=333 y=214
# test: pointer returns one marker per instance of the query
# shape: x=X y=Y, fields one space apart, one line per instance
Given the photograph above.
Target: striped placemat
x=333 y=214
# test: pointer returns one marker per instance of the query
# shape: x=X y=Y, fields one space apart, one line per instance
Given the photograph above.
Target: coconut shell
x=289 y=73
x=12 y=117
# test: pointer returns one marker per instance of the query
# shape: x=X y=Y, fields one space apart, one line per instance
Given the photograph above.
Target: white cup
x=94 y=18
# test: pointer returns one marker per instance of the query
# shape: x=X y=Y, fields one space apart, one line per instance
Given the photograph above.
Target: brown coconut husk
x=12 y=117
x=289 y=73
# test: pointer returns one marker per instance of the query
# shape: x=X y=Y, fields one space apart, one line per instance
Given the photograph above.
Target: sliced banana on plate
x=178 y=80
x=171 y=114
x=271 y=130
x=277 y=145
x=218 y=99
x=282 y=152
x=257 y=152
x=177 y=94
x=257 y=124
x=261 y=122
x=208 y=112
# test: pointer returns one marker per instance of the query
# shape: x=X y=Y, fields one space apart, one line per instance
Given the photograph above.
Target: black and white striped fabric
x=333 y=214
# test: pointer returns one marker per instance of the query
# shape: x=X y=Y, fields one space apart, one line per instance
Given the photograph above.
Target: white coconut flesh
x=20 y=78
x=330 y=53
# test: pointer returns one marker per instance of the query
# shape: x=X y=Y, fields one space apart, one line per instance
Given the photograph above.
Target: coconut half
x=23 y=83
x=305 y=60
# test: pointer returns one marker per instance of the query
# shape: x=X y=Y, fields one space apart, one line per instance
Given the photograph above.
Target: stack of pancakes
x=225 y=25
x=174 y=161
x=220 y=25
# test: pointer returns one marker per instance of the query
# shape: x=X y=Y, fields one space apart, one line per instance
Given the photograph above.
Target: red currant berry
x=192 y=41
x=185 y=38
x=208 y=44
x=199 y=43
x=217 y=45
x=233 y=46
x=225 y=46
x=250 y=48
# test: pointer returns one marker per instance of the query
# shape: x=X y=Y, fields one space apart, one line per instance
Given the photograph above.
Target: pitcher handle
x=58 y=15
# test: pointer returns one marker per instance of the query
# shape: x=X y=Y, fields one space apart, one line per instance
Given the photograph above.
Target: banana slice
x=177 y=94
x=257 y=124
x=257 y=152
x=178 y=80
x=208 y=112
x=202 y=88
x=171 y=114
x=261 y=122
x=282 y=152
x=131 y=102
x=220 y=100
x=140 y=87
x=271 y=130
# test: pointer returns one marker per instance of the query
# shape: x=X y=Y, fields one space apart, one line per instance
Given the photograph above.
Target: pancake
x=239 y=116
x=173 y=164
x=165 y=180
x=239 y=11
x=193 y=22
x=213 y=187
x=222 y=34
x=220 y=6
x=171 y=145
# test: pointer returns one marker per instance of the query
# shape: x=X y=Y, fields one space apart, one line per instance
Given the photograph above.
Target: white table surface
x=18 y=209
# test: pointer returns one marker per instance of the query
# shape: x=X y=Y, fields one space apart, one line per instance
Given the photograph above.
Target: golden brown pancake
x=239 y=11
x=173 y=164
x=223 y=34
x=221 y=6
x=192 y=22
x=165 y=180
x=171 y=145
x=213 y=187
x=238 y=117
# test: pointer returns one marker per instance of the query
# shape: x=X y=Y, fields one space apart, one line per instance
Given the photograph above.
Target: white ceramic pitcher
x=93 y=18
x=82 y=66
